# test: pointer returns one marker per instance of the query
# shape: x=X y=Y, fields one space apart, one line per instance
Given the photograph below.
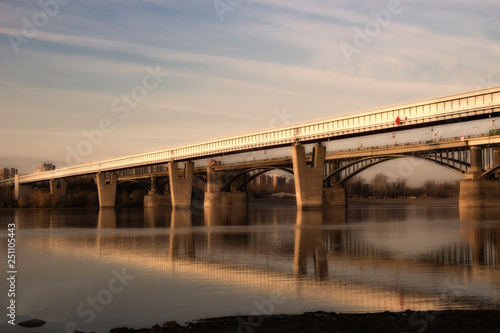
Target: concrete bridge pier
x=335 y=196
x=214 y=182
x=214 y=197
x=153 y=199
x=181 y=188
x=58 y=191
x=308 y=180
x=106 y=190
x=479 y=193
x=475 y=163
x=475 y=192
x=496 y=156
x=21 y=190
x=332 y=166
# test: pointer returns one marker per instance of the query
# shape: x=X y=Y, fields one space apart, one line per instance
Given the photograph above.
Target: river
x=98 y=269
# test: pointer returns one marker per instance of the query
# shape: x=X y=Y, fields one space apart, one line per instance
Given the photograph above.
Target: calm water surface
x=138 y=267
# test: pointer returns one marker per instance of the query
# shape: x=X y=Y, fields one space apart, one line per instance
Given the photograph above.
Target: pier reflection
x=479 y=227
x=478 y=214
x=387 y=265
x=310 y=254
x=225 y=216
x=157 y=217
x=182 y=238
x=106 y=218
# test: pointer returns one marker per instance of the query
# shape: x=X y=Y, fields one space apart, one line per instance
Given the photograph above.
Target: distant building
x=7 y=173
x=45 y=167
x=262 y=179
x=278 y=180
x=274 y=180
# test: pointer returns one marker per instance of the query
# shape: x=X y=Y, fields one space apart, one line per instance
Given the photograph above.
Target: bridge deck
x=462 y=107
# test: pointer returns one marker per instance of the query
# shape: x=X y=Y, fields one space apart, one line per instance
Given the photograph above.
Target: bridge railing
x=413 y=143
x=7 y=182
x=458 y=106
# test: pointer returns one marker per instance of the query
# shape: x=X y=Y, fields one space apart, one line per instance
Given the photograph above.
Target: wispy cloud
x=230 y=74
x=202 y=111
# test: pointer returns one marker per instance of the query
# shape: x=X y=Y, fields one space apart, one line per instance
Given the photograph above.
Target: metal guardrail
x=7 y=182
x=414 y=143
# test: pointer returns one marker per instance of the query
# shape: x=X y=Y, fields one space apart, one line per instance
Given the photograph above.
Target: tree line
x=81 y=192
x=382 y=187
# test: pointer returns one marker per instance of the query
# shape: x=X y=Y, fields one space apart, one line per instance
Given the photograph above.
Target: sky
x=83 y=81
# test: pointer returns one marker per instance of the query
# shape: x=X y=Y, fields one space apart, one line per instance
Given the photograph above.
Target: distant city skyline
x=137 y=77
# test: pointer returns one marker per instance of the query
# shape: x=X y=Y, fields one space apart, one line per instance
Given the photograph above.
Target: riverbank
x=409 y=321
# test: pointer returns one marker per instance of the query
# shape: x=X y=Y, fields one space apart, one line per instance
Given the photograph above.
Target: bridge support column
x=214 y=197
x=106 y=190
x=58 y=191
x=333 y=165
x=475 y=163
x=308 y=181
x=475 y=192
x=214 y=183
x=21 y=190
x=335 y=196
x=181 y=188
x=153 y=199
x=496 y=160
x=479 y=193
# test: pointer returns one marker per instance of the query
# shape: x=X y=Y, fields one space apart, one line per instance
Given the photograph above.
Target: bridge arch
x=163 y=185
x=260 y=170
x=362 y=164
x=489 y=174
x=130 y=183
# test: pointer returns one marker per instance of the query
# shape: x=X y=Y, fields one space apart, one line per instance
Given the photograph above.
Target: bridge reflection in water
x=366 y=258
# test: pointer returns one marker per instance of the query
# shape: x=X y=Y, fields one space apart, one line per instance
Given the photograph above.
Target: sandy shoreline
x=408 y=321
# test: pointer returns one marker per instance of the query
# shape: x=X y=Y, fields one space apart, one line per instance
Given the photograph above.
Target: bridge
x=318 y=176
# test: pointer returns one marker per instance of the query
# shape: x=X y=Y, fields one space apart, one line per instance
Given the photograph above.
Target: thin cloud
x=266 y=54
x=201 y=111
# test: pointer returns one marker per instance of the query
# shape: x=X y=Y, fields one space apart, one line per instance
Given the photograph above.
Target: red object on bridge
x=398 y=120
